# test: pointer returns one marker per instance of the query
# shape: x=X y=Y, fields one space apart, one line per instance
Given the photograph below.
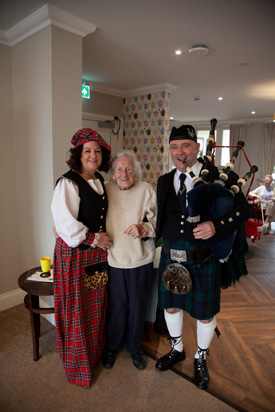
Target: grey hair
x=136 y=165
x=269 y=176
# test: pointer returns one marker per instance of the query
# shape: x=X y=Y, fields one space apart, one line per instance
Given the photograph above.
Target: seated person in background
x=266 y=196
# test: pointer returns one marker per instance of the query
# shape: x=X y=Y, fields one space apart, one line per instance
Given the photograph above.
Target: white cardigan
x=259 y=192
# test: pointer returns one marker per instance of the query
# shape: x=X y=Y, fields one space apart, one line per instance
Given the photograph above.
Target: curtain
x=267 y=152
x=237 y=133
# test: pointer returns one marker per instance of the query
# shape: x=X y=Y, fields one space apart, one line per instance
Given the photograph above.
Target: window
x=202 y=136
x=225 y=151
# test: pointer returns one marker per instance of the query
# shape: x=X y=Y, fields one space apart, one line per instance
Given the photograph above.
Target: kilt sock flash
x=205 y=334
x=174 y=322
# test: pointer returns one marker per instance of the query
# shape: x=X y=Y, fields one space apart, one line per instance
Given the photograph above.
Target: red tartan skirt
x=79 y=312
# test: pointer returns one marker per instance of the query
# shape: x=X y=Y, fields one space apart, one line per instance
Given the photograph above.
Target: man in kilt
x=185 y=243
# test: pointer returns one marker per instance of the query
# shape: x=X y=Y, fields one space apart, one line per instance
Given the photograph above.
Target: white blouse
x=65 y=208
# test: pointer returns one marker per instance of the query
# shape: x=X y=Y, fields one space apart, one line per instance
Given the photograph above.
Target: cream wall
x=10 y=254
x=32 y=81
x=66 y=94
x=43 y=73
x=103 y=103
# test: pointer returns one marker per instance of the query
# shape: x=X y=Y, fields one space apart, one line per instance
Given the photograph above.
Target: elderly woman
x=79 y=209
x=130 y=222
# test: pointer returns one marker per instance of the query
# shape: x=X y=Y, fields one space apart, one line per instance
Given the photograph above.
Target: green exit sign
x=85 y=91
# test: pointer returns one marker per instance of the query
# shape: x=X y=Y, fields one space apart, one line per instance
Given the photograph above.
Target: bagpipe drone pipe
x=210 y=201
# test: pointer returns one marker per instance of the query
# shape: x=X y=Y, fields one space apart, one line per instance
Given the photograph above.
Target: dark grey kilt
x=203 y=301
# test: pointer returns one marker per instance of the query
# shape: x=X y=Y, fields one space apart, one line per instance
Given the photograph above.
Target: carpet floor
x=28 y=386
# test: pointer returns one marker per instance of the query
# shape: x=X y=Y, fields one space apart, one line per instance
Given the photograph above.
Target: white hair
x=130 y=155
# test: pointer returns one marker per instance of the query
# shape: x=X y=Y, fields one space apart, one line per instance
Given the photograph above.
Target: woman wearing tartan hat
x=79 y=208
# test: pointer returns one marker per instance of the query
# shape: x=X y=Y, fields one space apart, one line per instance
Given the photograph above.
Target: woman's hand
x=104 y=241
x=204 y=230
x=55 y=233
x=136 y=231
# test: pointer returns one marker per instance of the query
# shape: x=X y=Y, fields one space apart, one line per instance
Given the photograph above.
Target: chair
x=251 y=229
x=257 y=211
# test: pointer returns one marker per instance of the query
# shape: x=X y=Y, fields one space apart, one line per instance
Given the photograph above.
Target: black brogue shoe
x=139 y=360
x=168 y=360
x=108 y=358
x=201 y=371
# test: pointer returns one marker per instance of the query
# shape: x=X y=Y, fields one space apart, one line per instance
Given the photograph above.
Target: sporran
x=177 y=279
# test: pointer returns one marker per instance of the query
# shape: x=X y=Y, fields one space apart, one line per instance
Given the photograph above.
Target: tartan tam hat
x=184 y=132
x=88 y=135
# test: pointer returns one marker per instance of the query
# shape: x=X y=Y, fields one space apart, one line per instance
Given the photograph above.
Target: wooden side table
x=34 y=290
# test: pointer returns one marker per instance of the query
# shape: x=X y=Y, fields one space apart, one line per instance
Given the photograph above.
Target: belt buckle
x=178 y=255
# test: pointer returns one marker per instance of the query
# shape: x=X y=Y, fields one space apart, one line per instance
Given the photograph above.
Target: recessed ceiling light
x=253 y=112
x=171 y=118
x=178 y=52
x=220 y=98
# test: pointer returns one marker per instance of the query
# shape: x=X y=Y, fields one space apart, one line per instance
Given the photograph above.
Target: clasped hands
x=136 y=231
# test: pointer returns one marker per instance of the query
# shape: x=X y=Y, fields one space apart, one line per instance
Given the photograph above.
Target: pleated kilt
x=203 y=301
x=79 y=312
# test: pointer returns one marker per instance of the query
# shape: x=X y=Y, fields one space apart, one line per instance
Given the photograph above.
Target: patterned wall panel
x=146 y=132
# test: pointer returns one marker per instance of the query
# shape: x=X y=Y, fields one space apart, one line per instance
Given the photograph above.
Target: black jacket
x=224 y=225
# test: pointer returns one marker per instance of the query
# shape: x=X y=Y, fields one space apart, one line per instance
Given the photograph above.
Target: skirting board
x=10 y=299
x=16 y=297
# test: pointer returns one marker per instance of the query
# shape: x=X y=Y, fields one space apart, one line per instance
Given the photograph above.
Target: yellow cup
x=45 y=264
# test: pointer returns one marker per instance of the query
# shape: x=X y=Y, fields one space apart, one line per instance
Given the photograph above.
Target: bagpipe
x=210 y=201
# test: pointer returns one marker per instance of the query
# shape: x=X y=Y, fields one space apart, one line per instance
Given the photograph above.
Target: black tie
x=182 y=193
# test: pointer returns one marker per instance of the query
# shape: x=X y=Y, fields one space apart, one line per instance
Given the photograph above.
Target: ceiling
x=134 y=47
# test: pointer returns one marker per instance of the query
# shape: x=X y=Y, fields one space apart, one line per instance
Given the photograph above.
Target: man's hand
x=204 y=230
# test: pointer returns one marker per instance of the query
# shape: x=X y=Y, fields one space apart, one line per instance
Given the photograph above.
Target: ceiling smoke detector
x=199 y=49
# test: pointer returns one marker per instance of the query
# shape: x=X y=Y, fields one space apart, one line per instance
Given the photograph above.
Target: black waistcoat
x=93 y=206
x=175 y=227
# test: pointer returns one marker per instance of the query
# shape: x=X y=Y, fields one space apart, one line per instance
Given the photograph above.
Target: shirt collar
x=196 y=168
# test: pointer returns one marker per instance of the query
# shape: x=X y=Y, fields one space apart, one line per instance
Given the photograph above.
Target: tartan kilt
x=235 y=267
x=203 y=301
x=79 y=312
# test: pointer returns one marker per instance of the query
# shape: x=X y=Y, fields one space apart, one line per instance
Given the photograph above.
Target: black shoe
x=168 y=360
x=139 y=360
x=108 y=358
x=201 y=373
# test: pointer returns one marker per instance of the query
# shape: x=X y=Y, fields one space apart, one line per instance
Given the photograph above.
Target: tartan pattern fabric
x=235 y=267
x=203 y=301
x=79 y=312
x=87 y=135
